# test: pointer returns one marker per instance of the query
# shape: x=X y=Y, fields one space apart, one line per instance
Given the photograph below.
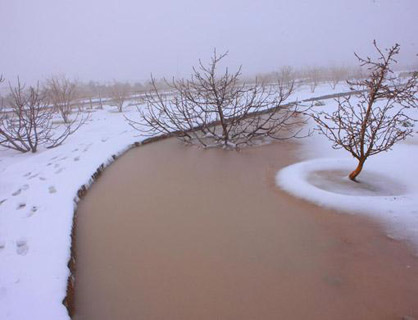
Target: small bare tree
x=337 y=75
x=62 y=92
x=214 y=110
x=378 y=118
x=287 y=76
x=120 y=92
x=314 y=77
x=26 y=121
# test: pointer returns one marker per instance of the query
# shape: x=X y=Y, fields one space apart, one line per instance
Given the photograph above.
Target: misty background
x=126 y=40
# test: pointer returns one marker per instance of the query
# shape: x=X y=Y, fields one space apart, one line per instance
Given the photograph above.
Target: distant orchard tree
x=26 y=121
x=314 y=76
x=62 y=93
x=337 y=75
x=119 y=93
x=287 y=76
x=378 y=117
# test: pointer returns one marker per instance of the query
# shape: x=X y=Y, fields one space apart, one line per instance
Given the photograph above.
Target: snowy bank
x=37 y=194
x=388 y=188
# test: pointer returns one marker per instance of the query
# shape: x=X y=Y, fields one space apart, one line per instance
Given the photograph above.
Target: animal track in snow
x=75 y=150
x=21 y=205
x=42 y=178
x=76 y=158
x=104 y=139
x=22 y=247
x=87 y=147
x=2 y=245
x=2 y=201
x=33 y=176
x=25 y=187
x=17 y=192
x=52 y=189
x=32 y=211
x=27 y=174
x=56 y=165
x=59 y=170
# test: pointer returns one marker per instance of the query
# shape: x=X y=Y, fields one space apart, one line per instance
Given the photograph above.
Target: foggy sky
x=127 y=40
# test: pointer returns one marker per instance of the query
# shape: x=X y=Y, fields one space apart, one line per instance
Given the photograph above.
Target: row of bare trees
x=313 y=76
x=27 y=118
x=214 y=108
x=218 y=109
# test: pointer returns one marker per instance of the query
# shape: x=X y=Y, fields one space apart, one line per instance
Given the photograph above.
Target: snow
x=387 y=190
x=37 y=193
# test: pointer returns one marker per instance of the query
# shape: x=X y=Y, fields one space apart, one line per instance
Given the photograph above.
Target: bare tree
x=26 y=121
x=62 y=93
x=119 y=92
x=337 y=75
x=287 y=76
x=314 y=76
x=378 y=118
x=214 y=110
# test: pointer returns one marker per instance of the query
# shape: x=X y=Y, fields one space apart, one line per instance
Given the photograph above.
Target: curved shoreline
x=68 y=301
x=359 y=229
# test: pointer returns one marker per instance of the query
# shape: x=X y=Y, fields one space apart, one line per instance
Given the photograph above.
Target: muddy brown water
x=176 y=232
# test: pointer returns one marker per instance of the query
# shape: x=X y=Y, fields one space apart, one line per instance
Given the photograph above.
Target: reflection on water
x=173 y=232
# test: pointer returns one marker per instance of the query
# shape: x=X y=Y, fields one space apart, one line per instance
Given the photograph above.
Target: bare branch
x=219 y=110
x=379 y=117
x=26 y=121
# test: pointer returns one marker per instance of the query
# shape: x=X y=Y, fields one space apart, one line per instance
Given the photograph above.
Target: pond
x=176 y=232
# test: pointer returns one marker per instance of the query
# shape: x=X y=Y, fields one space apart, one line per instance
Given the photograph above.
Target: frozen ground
x=37 y=194
x=388 y=188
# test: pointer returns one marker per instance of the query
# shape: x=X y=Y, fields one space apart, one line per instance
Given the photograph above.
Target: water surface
x=173 y=232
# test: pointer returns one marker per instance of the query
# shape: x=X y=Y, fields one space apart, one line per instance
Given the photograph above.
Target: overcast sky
x=127 y=39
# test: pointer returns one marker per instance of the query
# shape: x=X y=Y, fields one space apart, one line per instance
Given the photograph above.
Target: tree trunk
x=353 y=175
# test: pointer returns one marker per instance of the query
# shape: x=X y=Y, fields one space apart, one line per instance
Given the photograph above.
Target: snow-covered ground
x=389 y=182
x=37 y=204
x=37 y=194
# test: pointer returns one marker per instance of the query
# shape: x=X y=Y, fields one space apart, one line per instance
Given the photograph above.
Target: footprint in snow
x=56 y=165
x=2 y=201
x=2 y=245
x=27 y=174
x=42 y=178
x=59 y=170
x=53 y=158
x=33 y=176
x=88 y=147
x=17 y=192
x=21 y=205
x=32 y=211
x=22 y=247
x=25 y=187
x=76 y=158
x=104 y=139
x=75 y=150
x=52 y=189
x=63 y=158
